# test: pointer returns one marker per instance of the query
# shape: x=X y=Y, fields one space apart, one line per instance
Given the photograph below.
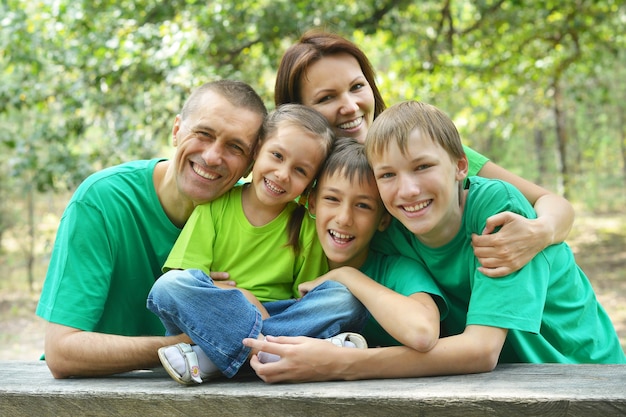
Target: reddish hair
x=310 y=48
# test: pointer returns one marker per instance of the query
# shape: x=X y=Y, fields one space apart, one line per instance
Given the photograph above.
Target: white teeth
x=352 y=124
x=340 y=236
x=272 y=187
x=202 y=173
x=417 y=207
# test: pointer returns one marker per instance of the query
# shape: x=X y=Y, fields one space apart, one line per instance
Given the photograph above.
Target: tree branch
x=370 y=24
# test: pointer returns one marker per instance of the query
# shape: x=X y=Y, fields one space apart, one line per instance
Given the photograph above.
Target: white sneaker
x=350 y=340
x=182 y=356
x=353 y=340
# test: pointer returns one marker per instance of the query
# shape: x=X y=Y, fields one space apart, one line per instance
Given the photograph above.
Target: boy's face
x=420 y=188
x=347 y=213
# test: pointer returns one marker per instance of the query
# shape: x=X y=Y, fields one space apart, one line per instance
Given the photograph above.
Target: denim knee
x=161 y=289
x=338 y=295
x=173 y=286
x=342 y=302
x=337 y=291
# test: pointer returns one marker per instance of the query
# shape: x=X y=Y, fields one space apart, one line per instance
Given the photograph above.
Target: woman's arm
x=304 y=359
x=520 y=239
x=412 y=321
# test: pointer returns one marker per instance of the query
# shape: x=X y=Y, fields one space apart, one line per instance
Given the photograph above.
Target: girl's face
x=336 y=87
x=286 y=164
x=347 y=214
x=420 y=188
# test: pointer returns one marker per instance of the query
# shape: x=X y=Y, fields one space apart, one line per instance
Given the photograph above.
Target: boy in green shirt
x=545 y=312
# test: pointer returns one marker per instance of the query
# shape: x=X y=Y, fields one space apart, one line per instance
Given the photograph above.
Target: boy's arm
x=412 y=321
x=520 y=239
x=73 y=352
x=304 y=359
x=475 y=350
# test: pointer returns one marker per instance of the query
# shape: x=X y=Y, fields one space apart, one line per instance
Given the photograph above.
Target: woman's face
x=336 y=87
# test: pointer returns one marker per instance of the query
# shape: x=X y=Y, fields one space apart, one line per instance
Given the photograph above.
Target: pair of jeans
x=217 y=320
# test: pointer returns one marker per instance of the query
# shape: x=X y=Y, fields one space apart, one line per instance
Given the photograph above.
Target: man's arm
x=72 y=352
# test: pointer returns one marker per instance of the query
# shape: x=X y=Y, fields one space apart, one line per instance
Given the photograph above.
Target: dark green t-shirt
x=548 y=306
x=404 y=276
x=110 y=246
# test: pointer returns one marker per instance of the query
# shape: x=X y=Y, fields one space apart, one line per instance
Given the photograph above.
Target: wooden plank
x=28 y=389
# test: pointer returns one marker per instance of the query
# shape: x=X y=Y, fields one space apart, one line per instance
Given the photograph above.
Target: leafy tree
x=536 y=86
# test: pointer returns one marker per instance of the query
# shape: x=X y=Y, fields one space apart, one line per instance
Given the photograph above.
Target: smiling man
x=121 y=224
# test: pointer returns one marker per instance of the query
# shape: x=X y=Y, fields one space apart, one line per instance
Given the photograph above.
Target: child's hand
x=305 y=287
x=301 y=359
x=222 y=277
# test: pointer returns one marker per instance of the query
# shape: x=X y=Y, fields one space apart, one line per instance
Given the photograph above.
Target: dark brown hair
x=348 y=159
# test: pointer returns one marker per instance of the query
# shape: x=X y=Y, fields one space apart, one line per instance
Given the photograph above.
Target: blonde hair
x=395 y=125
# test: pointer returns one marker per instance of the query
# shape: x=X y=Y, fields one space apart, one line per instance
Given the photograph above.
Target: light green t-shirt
x=110 y=245
x=548 y=306
x=404 y=276
x=219 y=237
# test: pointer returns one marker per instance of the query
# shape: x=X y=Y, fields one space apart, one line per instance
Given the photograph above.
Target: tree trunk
x=561 y=135
x=30 y=255
x=540 y=151
x=621 y=111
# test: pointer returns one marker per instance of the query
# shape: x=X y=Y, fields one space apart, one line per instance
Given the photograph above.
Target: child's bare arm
x=412 y=321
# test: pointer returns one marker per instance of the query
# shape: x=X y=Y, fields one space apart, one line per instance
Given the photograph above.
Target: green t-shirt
x=476 y=161
x=404 y=276
x=548 y=306
x=111 y=243
x=219 y=237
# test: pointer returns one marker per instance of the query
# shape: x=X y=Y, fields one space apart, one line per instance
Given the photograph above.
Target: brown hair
x=238 y=93
x=315 y=123
x=349 y=160
x=310 y=48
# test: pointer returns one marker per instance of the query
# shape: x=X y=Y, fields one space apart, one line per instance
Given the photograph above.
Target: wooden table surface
x=28 y=389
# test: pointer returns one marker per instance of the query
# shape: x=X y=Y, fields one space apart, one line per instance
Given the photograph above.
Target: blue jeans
x=218 y=320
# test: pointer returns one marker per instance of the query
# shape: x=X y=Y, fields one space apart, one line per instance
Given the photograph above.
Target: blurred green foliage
x=87 y=84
